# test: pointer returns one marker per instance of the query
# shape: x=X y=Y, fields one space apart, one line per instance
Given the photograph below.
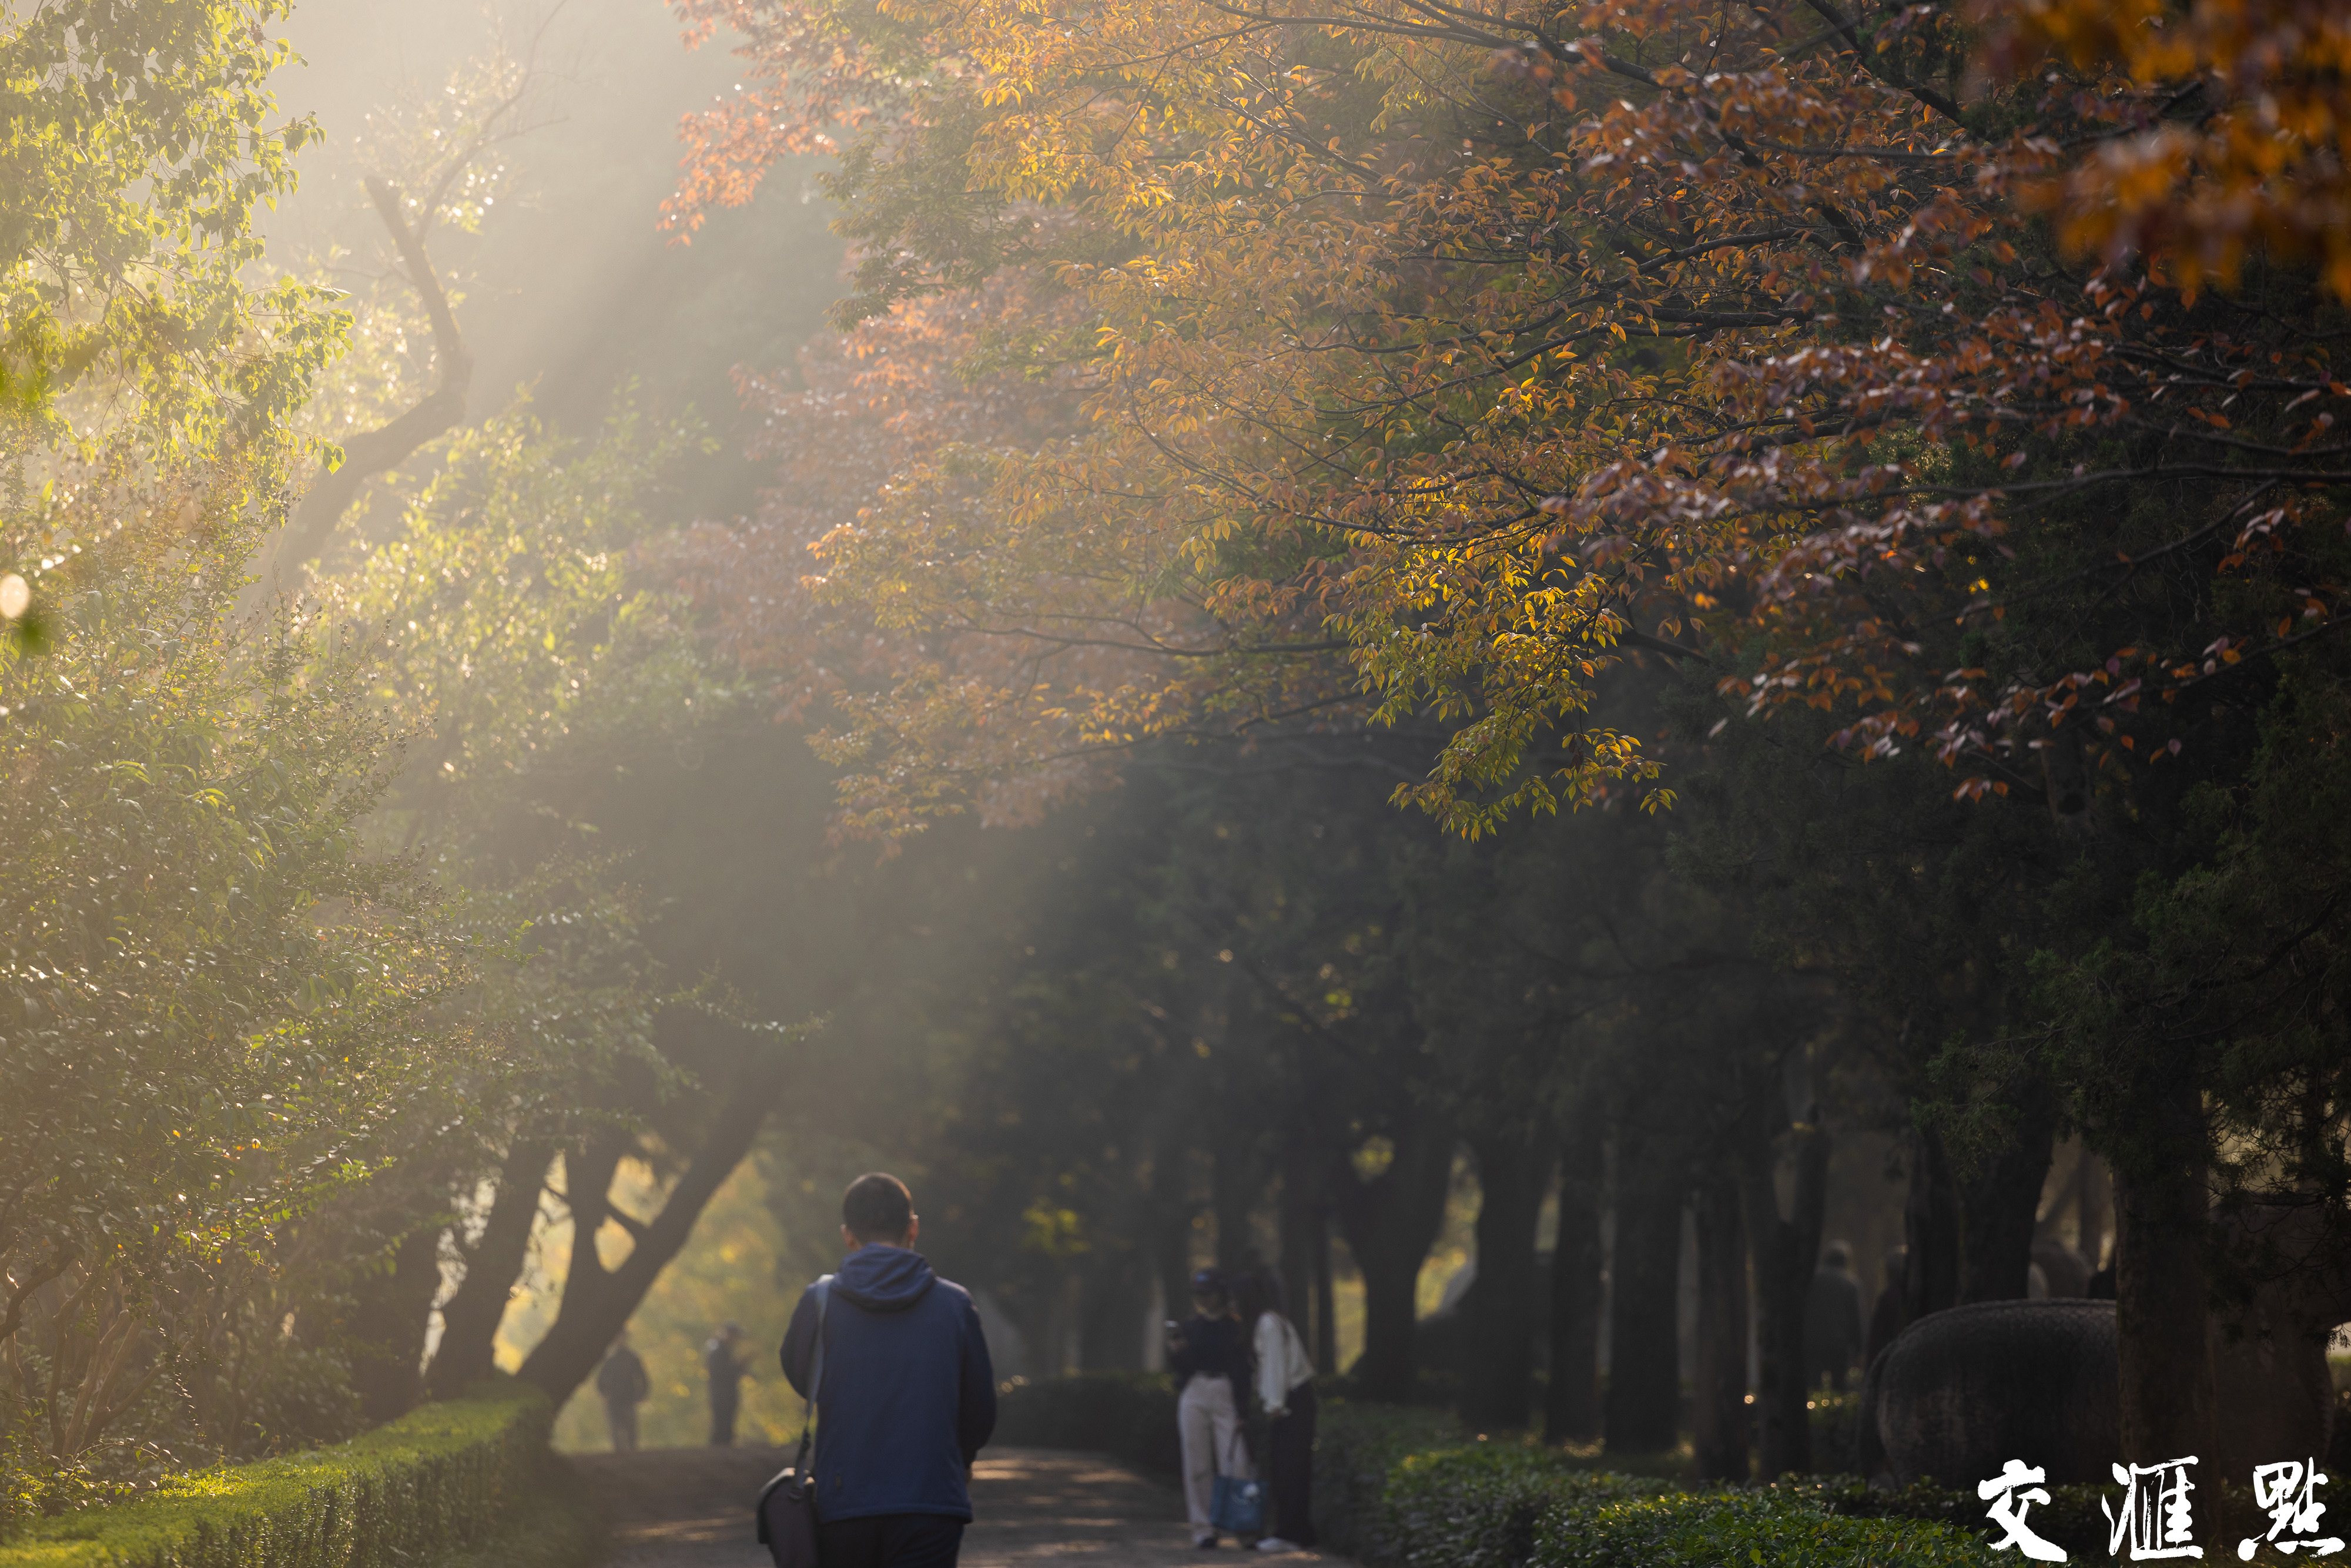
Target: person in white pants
x=1210 y=1361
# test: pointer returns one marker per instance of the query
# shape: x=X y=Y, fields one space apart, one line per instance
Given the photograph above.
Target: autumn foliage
x=2221 y=139
x=1434 y=359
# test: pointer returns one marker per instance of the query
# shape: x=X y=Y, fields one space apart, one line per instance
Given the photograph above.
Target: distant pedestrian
x=1834 y=1331
x=904 y=1393
x=724 y=1362
x=1210 y=1361
x=623 y=1385
x=1285 y=1386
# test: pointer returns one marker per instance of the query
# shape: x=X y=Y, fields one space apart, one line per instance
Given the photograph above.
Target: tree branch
x=59 y=1261
x=1926 y=95
x=385 y=447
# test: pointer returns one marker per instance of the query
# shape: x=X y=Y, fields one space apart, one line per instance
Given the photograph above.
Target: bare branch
x=387 y=447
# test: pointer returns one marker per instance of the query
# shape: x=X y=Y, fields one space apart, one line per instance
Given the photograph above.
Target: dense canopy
x=1354 y=637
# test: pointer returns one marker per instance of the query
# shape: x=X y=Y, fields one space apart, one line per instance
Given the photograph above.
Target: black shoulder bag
x=787 y=1503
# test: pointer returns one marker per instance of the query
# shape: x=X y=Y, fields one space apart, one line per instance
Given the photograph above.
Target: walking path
x=1038 y=1508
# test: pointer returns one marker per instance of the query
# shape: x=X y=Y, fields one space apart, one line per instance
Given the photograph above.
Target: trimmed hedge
x=1733 y=1526
x=441 y=1480
x=2070 y=1517
x=1130 y=1416
x=1492 y=1505
x=1357 y=1448
x=1403 y=1486
x=558 y=1524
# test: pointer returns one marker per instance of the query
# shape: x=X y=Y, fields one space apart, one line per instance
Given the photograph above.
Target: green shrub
x=436 y=1481
x=2072 y=1517
x=1403 y=1486
x=1357 y=1448
x=1130 y=1416
x=556 y=1524
x=1730 y=1528
x=1834 y=1420
x=1483 y=1506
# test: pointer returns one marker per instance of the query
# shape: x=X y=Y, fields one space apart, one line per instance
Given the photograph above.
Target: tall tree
x=1572 y=1397
x=1630 y=327
x=216 y=1005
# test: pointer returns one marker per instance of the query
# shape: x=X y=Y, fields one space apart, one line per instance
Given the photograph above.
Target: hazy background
x=568 y=287
x=568 y=291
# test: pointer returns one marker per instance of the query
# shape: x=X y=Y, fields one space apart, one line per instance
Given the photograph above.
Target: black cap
x=1206 y=1279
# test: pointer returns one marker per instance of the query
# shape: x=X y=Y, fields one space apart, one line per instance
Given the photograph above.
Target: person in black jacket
x=725 y=1366
x=905 y=1395
x=622 y=1383
x=1210 y=1361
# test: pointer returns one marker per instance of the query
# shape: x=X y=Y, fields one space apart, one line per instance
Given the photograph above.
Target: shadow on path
x=1038 y=1507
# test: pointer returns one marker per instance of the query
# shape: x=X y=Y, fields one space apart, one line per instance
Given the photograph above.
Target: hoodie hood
x=884 y=1279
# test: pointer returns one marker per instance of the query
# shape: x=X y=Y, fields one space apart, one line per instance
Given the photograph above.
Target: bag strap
x=823 y=1291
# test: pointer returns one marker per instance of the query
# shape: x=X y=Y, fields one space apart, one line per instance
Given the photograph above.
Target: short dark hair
x=877 y=1208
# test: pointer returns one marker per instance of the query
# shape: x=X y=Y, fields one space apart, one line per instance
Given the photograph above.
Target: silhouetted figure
x=623 y=1385
x=1832 y=1318
x=722 y=1362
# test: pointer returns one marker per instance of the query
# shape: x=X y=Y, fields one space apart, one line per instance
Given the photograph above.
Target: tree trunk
x=1384 y=1370
x=2000 y=1202
x=1720 y=1420
x=1171 y=1211
x=1326 y=1300
x=1063 y=1354
x=1498 y=1387
x=597 y=1301
x=1930 y=1230
x=1572 y=1404
x=1233 y=1191
x=2161 y=1305
x=1643 y=1413
x=1786 y=1252
x=1390 y=1223
x=1300 y=1221
x=387 y=1326
x=1117 y=1293
x=470 y=1318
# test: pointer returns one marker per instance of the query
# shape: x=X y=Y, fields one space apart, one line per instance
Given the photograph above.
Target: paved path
x=1038 y=1507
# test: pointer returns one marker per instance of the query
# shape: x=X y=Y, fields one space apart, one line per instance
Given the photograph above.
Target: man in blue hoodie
x=906 y=1396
